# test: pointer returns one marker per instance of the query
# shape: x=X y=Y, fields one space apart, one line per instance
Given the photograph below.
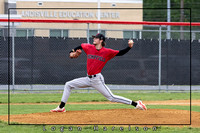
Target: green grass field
x=94 y=97
x=87 y=97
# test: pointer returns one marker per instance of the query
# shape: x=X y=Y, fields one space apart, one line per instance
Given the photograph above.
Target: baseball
x=130 y=42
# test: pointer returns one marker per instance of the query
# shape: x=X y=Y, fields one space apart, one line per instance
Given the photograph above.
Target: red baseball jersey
x=96 y=59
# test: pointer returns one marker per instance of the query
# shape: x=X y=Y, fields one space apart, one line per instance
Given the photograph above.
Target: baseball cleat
x=58 y=109
x=140 y=105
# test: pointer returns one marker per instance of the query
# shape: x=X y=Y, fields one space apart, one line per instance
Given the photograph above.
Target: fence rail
x=195 y=35
x=102 y=22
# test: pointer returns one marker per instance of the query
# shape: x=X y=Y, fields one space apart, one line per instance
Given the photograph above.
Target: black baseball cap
x=100 y=36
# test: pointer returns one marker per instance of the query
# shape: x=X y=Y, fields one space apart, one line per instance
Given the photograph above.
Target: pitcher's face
x=96 y=41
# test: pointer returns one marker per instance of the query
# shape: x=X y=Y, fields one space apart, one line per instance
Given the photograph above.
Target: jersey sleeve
x=112 y=53
x=124 y=51
x=85 y=47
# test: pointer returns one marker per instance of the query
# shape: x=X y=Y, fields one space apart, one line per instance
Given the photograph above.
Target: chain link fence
x=44 y=60
x=41 y=57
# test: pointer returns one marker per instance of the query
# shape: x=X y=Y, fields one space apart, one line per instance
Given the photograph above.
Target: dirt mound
x=111 y=116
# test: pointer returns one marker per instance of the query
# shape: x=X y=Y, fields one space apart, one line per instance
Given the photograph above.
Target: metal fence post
x=88 y=40
x=159 y=70
x=32 y=59
x=88 y=33
x=13 y=57
x=140 y=34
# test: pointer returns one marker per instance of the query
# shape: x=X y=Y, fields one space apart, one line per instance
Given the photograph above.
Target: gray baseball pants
x=95 y=82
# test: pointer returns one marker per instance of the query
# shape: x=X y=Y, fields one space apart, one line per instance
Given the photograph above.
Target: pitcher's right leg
x=100 y=85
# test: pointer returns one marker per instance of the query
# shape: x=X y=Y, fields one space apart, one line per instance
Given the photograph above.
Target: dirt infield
x=114 y=116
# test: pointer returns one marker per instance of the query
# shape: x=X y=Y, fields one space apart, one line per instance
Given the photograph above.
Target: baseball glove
x=76 y=53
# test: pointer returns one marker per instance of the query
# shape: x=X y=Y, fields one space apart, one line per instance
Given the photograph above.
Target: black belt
x=91 y=76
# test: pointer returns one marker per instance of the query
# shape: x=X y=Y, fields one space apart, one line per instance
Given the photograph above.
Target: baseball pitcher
x=97 y=57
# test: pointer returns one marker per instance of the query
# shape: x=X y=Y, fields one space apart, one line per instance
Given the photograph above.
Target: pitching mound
x=112 y=116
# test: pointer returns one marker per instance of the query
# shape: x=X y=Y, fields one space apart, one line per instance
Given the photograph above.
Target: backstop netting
x=39 y=51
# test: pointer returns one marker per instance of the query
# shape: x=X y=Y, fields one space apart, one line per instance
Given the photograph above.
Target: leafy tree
x=155 y=14
x=156 y=10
